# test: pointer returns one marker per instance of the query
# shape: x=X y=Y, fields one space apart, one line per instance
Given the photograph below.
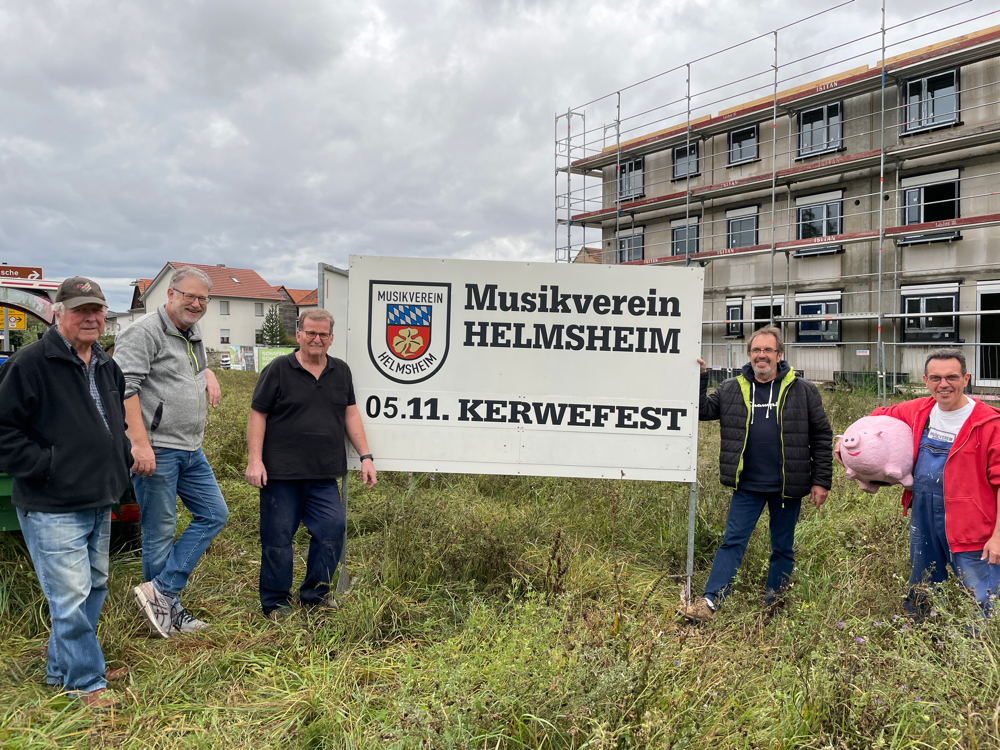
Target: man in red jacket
x=953 y=503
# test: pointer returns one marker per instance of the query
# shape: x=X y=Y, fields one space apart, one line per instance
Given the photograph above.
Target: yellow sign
x=14 y=319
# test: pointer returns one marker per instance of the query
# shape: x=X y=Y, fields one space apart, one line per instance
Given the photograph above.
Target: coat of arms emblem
x=408 y=328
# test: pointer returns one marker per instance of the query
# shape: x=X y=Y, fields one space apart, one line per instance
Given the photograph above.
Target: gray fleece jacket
x=167 y=370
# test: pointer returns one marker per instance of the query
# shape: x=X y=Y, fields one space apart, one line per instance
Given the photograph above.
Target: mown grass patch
x=509 y=612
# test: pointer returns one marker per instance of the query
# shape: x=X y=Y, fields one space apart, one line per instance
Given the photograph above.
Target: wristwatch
x=369 y=457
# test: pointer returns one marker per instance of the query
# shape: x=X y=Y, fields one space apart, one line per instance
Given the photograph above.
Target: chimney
x=221 y=265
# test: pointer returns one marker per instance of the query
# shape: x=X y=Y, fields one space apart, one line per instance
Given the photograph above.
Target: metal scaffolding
x=686 y=123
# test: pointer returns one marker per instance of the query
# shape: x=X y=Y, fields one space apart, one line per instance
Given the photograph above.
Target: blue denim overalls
x=929 y=551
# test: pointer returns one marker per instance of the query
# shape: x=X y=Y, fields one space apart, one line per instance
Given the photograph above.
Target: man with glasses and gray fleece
x=167 y=389
x=775 y=450
x=954 y=518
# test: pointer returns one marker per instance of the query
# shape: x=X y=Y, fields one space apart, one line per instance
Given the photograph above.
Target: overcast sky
x=276 y=135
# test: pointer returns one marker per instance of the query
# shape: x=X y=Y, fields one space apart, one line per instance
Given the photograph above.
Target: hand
x=818 y=495
x=144 y=460
x=368 y=473
x=991 y=551
x=213 y=389
x=256 y=474
x=701 y=362
x=836 y=452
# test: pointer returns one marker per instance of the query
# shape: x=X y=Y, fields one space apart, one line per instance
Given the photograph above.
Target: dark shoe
x=100 y=700
x=774 y=606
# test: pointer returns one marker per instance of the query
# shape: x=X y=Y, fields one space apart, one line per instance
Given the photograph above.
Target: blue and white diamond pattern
x=409 y=315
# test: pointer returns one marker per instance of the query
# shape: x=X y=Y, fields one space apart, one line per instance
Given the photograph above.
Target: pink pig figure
x=878 y=451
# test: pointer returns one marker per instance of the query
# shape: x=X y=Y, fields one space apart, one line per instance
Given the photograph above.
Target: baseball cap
x=80 y=291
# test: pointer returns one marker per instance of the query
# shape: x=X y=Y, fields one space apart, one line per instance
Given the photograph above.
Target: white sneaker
x=156 y=607
x=182 y=621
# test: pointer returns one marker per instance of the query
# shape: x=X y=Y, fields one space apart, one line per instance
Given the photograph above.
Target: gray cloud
x=274 y=136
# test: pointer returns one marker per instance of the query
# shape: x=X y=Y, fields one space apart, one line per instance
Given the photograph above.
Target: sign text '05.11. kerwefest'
x=525 y=368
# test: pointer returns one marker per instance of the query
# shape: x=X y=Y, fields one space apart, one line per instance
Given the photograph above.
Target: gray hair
x=946 y=354
x=316 y=313
x=189 y=272
x=767 y=331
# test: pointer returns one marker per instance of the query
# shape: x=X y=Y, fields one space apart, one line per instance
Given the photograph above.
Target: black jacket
x=52 y=439
x=806 y=437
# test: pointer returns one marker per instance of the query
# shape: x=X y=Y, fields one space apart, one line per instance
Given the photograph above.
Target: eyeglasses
x=314 y=334
x=768 y=352
x=192 y=297
x=952 y=379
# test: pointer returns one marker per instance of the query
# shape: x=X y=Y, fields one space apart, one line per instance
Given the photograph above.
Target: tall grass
x=500 y=612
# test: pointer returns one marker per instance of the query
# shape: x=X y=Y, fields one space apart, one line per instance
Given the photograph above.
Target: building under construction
x=852 y=203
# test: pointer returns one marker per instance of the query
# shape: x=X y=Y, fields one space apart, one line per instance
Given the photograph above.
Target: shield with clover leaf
x=408 y=326
x=408 y=330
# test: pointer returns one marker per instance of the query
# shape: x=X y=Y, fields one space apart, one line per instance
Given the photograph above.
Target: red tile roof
x=310 y=299
x=301 y=296
x=143 y=284
x=235 y=282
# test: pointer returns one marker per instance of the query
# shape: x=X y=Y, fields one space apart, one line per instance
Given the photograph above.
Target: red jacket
x=971 y=471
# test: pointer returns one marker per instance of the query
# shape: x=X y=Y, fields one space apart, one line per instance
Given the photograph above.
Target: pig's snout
x=851 y=441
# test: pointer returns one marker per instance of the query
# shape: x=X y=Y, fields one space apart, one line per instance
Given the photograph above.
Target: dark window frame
x=756 y=146
x=825 y=219
x=622 y=239
x=765 y=320
x=676 y=243
x=829 y=144
x=916 y=213
x=729 y=230
x=922 y=331
x=687 y=159
x=926 y=121
x=829 y=331
x=631 y=182
x=734 y=324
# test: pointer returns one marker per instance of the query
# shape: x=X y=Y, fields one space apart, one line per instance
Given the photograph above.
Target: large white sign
x=524 y=368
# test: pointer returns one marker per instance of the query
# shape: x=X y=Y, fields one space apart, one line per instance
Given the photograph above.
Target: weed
x=515 y=612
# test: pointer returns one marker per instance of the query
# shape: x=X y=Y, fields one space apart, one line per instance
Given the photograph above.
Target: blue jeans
x=930 y=553
x=165 y=562
x=70 y=554
x=744 y=511
x=283 y=504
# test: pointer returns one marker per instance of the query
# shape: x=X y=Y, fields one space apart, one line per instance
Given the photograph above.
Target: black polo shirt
x=304 y=438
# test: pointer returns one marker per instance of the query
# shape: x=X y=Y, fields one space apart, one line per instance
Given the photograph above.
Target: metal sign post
x=692 y=500
x=331 y=293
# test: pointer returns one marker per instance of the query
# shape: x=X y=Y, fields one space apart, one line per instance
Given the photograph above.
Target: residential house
x=294 y=303
x=240 y=299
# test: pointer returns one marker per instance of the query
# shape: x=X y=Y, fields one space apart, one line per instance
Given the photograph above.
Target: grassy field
x=495 y=612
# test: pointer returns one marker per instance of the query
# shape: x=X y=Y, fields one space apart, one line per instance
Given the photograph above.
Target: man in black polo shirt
x=302 y=406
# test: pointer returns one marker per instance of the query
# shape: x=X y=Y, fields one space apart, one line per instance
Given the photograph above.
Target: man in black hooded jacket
x=776 y=449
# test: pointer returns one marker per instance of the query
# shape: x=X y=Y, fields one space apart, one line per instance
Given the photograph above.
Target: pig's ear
x=878 y=433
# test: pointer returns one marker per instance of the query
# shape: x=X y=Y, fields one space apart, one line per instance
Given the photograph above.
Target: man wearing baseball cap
x=62 y=439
